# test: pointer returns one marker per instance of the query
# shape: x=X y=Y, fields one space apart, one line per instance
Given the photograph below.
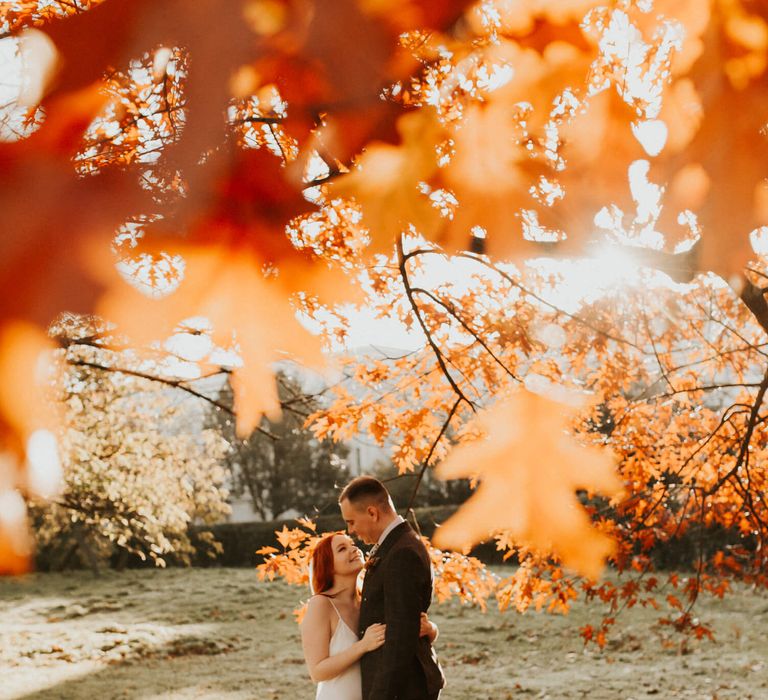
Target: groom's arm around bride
x=397 y=588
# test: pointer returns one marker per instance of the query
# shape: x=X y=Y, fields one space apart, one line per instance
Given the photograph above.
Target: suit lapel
x=376 y=560
x=391 y=538
x=371 y=568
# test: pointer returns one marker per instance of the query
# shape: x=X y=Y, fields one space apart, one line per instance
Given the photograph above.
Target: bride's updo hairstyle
x=321 y=565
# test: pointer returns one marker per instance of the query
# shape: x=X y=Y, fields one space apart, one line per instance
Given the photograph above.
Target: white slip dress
x=348 y=685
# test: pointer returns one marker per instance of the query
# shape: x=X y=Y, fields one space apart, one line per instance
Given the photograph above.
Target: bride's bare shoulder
x=320 y=600
x=318 y=607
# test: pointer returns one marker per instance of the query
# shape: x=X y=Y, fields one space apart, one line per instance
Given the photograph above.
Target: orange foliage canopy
x=257 y=169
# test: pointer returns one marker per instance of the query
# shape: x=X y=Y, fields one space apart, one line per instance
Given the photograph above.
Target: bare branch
x=425 y=464
x=417 y=312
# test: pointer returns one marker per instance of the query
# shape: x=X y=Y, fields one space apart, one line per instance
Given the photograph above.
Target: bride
x=332 y=648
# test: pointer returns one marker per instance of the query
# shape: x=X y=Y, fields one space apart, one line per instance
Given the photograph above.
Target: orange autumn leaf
x=33 y=12
x=307 y=523
x=385 y=182
x=24 y=409
x=298 y=613
x=289 y=538
x=231 y=290
x=15 y=552
x=15 y=541
x=267 y=550
x=24 y=365
x=529 y=471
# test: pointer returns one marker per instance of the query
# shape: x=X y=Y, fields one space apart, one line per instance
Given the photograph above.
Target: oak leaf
x=15 y=549
x=230 y=289
x=529 y=471
x=385 y=182
x=23 y=402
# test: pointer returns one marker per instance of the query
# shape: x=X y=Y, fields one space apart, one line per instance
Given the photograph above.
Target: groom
x=396 y=590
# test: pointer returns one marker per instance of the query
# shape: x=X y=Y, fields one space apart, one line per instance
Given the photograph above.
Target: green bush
x=239 y=541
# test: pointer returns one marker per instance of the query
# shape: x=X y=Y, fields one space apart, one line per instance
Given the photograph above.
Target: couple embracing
x=377 y=644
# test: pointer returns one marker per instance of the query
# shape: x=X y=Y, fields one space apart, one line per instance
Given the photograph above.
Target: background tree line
x=149 y=458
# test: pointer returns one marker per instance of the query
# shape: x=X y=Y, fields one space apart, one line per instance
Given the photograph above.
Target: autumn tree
x=544 y=191
x=139 y=465
x=283 y=466
x=431 y=492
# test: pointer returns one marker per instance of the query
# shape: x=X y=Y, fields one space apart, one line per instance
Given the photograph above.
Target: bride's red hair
x=322 y=564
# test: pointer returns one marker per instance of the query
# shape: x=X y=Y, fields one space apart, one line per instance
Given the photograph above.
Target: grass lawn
x=220 y=634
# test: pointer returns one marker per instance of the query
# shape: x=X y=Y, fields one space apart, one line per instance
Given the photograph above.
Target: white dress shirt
x=398 y=519
x=383 y=536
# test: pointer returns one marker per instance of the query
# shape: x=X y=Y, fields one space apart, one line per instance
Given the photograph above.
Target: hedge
x=241 y=540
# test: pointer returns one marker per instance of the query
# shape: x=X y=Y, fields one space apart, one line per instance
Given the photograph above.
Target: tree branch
x=753 y=416
x=175 y=383
x=754 y=299
x=402 y=259
x=451 y=310
x=425 y=464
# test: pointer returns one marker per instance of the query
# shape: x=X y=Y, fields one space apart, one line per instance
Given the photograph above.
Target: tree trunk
x=87 y=554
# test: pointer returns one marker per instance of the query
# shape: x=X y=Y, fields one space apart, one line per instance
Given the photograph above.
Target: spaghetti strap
x=338 y=614
x=330 y=600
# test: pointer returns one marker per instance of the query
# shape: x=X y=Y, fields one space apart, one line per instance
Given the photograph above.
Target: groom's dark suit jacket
x=397 y=588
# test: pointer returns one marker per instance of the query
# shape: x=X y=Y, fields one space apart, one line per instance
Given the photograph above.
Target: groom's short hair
x=363 y=490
